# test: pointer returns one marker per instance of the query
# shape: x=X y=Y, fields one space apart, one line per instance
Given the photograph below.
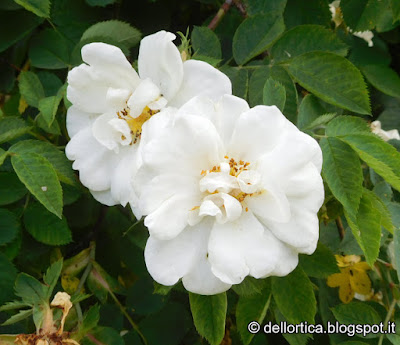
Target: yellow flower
x=352 y=278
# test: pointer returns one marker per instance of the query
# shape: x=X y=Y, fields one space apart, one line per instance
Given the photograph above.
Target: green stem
x=131 y=227
x=388 y=316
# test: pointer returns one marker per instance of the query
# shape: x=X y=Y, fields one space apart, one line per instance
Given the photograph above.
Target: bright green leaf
x=332 y=78
x=306 y=38
x=343 y=125
x=209 y=313
x=394 y=338
x=9 y=226
x=255 y=35
x=48 y=107
x=31 y=88
x=40 y=7
x=320 y=264
x=274 y=93
x=12 y=127
x=52 y=274
x=320 y=121
x=342 y=172
x=37 y=174
x=57 y=159
x=251 y=308
x=3 y=156
x=13 y=305
x=45 y=227
x=294 y=296
x=383 y=78
x=205 y=42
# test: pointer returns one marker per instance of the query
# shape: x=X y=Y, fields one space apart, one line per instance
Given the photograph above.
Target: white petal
x=160 y=60
x=201 y=280
x=286 y=262
x=168 y=261
x=257 y=132
x=229 y=208
x=144 y=94
x=78 y=120
x=301 y=232
x=105 y=197
x=271 y=204
x=200 y=78
x=237 y=249
x=169 y=219
x=95 y=162
x=249 y=181
x=218 y=181
x=117 y=97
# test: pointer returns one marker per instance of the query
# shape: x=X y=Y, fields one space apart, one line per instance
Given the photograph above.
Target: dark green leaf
x=344 y=125
x=255 y=35
x=21 y=315
x=396 y=243
x=49 y=49
x=251 y=308
x=31 y=88
x=3 y=156
x=294 y=296
x=396 y=9
x=342 y=172
x=9 y=226
x=46 y=227
x=205 y=42
x=250 y=286
x=320 y=264
x=310 y=109
x=360 y=15
x=209 y=313
x=8 y=273
x=104 y=335
x=265 y=6
x=90 y=320
x=40 y=7
x=306 y=38
x=383 y=78
x=101 y=3
x=274 y=93
x=57 y=159
x=356 y=313
x=10 y=33
x=12 y=127
x=307 y=12
x=239 y=78
x=332 y=78
x=13 y=305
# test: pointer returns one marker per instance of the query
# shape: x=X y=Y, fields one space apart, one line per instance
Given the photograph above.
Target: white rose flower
x=228 y=192
x=110 y=103
x=376 y=127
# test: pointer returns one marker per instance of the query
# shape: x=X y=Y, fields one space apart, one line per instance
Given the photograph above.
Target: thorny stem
x=340 y=227
x=388 y=316
x=128 y=317
x=220 y=14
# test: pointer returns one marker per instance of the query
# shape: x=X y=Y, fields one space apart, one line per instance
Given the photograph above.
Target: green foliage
x=274 y=93
x=12 y=127
x=383 y=78
x=320 y=264
x=31 y=88
x=205 y=42
x=40 y=7
x=358 y=312
x=209 y=314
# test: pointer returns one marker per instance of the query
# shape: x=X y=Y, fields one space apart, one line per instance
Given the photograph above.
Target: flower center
x=225 y=188
x=135 y=123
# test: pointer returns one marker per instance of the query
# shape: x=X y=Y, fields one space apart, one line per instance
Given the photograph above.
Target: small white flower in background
x=376 y=128
x=228 y=192
x=337 y=17
x=110 y=103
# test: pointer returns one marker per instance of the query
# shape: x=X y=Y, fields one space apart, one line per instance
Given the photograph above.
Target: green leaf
x=320 y=121
x=396 y=243
x=119 y=31
x=11 y=187
x=31 y=88
x=378 y=154
x=251 y=308
x=255 y=35
x=356 y=313
x=209 y=313
x=90 y=319
x=344 y=125
x=360 y=15
x=366 y=226
x=306 y=38
x=56 y=158
x=320 y=264
x=39 y=177
x=310 y=109
x=274 y=93
x=383 y=78
x=21 y=315
x=342 y=172
x=101 y=3
x=105 y=335
x=256 y=84
x=52 y=275
x=250 y=286
x=9 y=226
x=10 y=33
x=393 y=338
x=265 y=6
x=45 y=227
x=307 y=12
x=332 y=78
x=205 y=42
x=294 y=296
x=13 y=305
x=50 y=50
x=239 y=78
x=12 y=127
x=8 y=273
x=40 y=7
x=30 y=289
x=48 y=106
x=3 y=156
x=395 y=9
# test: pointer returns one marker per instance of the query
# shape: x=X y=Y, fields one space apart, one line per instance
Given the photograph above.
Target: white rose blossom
x=376 y=127
x=110 y=103
x=229 y=192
